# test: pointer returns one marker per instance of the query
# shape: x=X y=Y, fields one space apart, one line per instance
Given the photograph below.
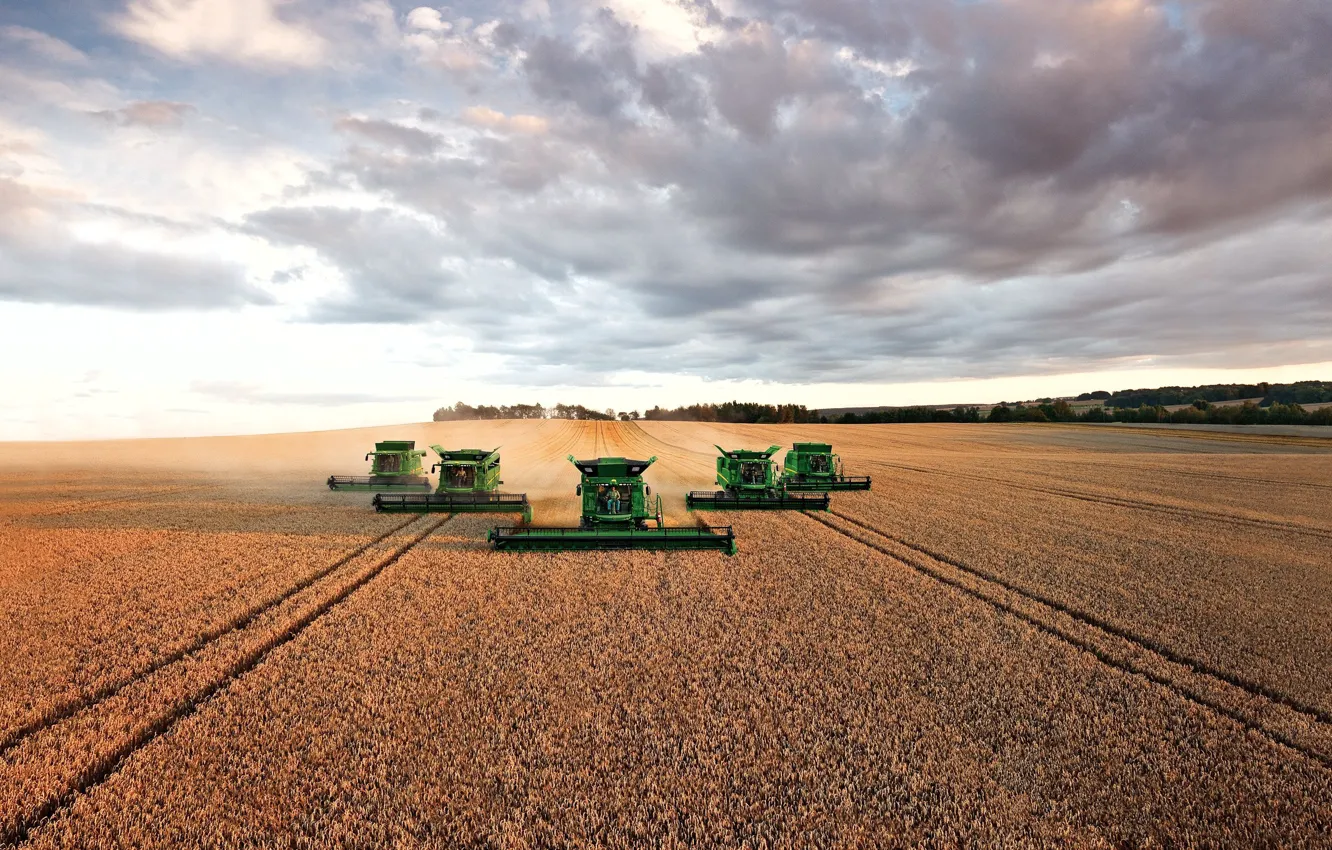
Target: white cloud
x=454 y=45
x=487 y=118
x=76 y=94
x=243 y=31
x=46 y=45
x=535 y=10
x=665 y=28
x=425 y=18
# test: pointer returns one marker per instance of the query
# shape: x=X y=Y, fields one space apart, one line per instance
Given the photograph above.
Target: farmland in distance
x=1022 y=636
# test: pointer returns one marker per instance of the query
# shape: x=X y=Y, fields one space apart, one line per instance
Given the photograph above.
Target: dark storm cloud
x=599 y=81
x=393 y=264
x=42 y=262
x=834 y=189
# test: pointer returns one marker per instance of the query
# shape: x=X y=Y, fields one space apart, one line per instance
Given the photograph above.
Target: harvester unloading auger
x=616 y=508
x=469 y=482
x=814 y=467
x=751 y=484
x=396 y=466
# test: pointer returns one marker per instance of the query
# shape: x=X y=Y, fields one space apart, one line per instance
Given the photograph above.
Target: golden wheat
x=889 y=677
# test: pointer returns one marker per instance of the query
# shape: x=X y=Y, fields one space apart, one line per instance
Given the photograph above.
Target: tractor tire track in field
x=645 y=444
x=1282 y=720
x=560 y=442
x=235 y=661
x=670 y=449
x=15 y=736
x=1135 y=504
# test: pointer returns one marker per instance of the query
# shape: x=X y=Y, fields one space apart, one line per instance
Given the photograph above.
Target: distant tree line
x=728 y=412
x=904 y=415
x=1281 y=404
x=1300 y=392
x=737 y=412
x=1201 y=412
x=731 y=412
x=462 y=412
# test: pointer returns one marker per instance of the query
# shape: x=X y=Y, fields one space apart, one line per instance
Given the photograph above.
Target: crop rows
x=1006 y=643
x=1248 y=600
x=1193 y=512
x=48 y=765
x=809 y=692
x=1304 y=728
x=115 y=609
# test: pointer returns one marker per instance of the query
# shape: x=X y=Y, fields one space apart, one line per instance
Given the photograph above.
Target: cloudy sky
x=221 y=216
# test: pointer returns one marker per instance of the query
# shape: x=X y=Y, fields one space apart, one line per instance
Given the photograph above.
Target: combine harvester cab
x=750 y=482
x=813 y=467
x=469 y=482
x=396 y=466
x=617 y=506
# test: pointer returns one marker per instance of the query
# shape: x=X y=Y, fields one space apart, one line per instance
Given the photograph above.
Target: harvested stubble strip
x=1173 y=506
x=805 y=693
x=46 y=772
x=1281 y=488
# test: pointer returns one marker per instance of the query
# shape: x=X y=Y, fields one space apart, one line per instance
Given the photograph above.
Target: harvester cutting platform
x=468 y=484
x=616 y=508
x=814 y=467
x=396 y=466
x=751 y=484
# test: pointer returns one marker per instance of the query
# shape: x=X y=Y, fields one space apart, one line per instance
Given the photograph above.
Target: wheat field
x=1023 y=636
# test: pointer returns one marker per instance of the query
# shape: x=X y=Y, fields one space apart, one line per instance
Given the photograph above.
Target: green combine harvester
x=617 y=506
x=468 y=484
x=751 y=484
x=396 y=466
x=814 y=467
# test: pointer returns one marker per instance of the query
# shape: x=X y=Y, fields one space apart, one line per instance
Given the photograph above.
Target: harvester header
x=469 y=482
x=394 y=465
x=617 y=506
x=814 y=467
x=749 y=482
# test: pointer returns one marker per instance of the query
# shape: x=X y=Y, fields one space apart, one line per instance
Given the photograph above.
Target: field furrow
x=808 y=690
x=1022 y=636
x=44 y=772
x=1304 y=728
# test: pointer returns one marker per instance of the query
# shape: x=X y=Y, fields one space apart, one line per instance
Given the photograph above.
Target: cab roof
x=612 y=467
x=390 y=446
x=749 y=454
x=464 y=455
x=812 y=448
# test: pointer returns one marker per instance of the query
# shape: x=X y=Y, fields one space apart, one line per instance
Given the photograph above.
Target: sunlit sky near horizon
x=244 y=216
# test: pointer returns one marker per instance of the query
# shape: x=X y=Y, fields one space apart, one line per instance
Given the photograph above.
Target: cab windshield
x=459 y=475
x=387 y=463
x=752 y=473
x=613 y=499
x=818 y=463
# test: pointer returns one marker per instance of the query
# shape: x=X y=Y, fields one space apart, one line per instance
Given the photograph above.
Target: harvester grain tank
x=617 y=506
x=469 y=482
x=814 y=467
x=396 y=465
x=749 y=482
